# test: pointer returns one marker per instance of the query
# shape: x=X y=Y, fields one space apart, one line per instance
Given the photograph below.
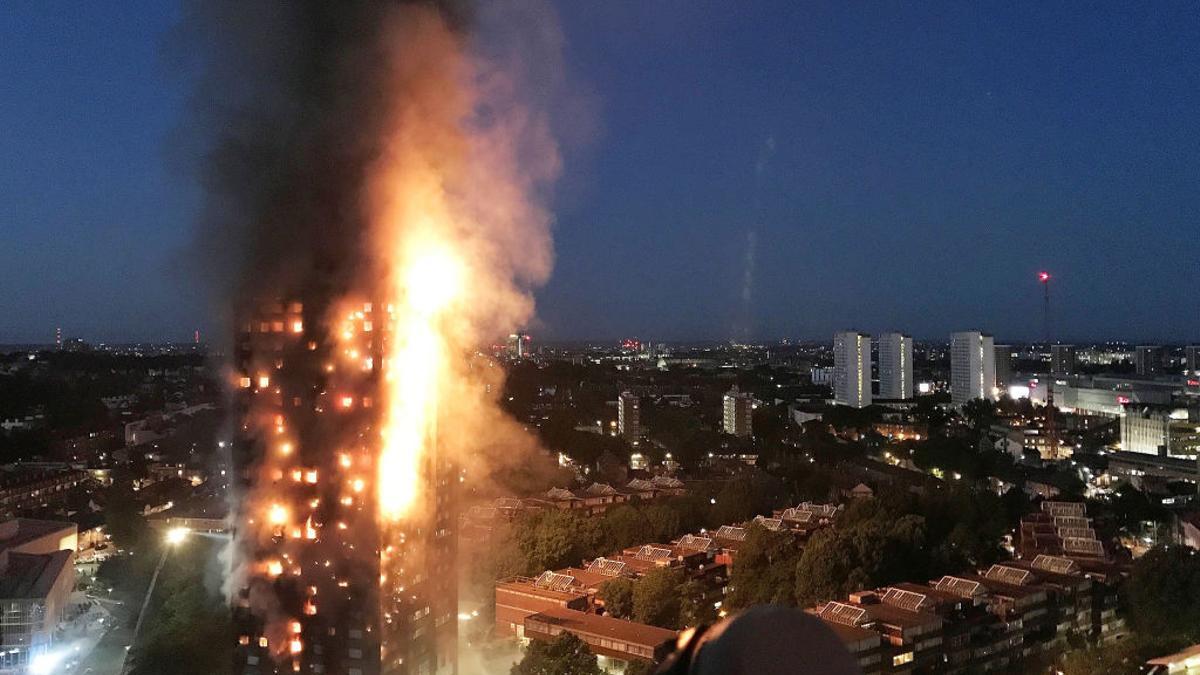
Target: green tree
x=565 y=655
x=1163 y=594
x=188 y=626
x=979 y=412
x=656 y=598
x=552 y=539
x=664 y=521
x=764 y=569
x=864 y=555
x=617 y=596
x=739 y=500
x=1119 y=658
x=623 y=526
x=691 y=509
x=695 y=605
x=123 y=519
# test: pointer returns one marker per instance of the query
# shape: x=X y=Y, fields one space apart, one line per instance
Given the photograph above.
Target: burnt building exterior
x=327 y=586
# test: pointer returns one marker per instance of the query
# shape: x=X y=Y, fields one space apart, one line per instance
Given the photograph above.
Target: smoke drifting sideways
x=341 y=140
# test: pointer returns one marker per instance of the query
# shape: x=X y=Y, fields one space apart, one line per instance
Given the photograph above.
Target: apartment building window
x=901 y=659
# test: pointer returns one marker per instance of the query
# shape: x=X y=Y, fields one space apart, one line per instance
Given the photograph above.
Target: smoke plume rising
x=359 y=153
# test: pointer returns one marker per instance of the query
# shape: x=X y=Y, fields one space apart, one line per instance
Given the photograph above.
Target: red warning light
x=1043 y=277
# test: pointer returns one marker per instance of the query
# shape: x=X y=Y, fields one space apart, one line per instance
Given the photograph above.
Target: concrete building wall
x=852 y=369
x=972 y=367
x=895 y=366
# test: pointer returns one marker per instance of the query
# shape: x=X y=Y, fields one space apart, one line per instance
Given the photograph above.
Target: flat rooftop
x=31 y=576
x=20 y=531
x=604 y=626
x=526 y=586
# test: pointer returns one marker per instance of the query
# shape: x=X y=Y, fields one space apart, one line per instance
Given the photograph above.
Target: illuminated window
x=901 y=659
x=245 y=383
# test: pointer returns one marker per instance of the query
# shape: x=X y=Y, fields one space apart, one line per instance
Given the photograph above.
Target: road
x=107 y=657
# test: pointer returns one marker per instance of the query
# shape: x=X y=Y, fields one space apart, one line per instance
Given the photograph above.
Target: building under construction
x=326 y=584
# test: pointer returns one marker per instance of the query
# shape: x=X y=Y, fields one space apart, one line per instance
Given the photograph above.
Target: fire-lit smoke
x=378 y=177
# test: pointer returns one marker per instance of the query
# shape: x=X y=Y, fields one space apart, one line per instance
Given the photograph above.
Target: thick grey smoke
x=338 y=141
x=288 y=116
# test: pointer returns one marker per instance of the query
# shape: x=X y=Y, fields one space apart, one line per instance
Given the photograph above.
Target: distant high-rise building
x=58 y=338
x=972 y=367
x=852 y=369
x=1192 y=359
x=1003 y=356
x=629 y=417
x=518 y=345
x=1148 y=359
x=821 y=375
x=1144 y=433
x=738 y=413
x=1062 y=360
x=895 y=366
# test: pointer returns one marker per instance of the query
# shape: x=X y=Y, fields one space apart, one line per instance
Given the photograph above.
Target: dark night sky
x=759 y=168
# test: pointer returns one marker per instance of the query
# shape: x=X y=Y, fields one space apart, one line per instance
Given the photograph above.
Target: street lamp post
x=174 y=537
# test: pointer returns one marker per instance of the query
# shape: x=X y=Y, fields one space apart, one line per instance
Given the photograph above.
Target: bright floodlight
x=44 y=663
x=176 y=535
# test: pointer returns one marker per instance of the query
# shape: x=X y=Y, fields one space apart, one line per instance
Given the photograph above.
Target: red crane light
x=1043 y=277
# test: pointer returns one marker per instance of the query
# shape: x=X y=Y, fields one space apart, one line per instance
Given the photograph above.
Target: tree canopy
x=764 y=569
x=565 y=655
x=617 y=596
x=656 y=598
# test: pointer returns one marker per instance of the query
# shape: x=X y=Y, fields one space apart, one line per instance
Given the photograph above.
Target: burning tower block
x=328 y=584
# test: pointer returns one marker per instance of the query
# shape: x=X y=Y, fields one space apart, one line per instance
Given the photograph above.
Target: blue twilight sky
x=760 y=169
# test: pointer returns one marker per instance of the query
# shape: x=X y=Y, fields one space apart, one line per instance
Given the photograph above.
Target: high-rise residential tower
x=1063 y=360
x=972 y=367
x=1192 y=359
x=328 y=585
x=737 y=413
x=852 y=369
x=629 y=417
x=1148 y=359
x=1003 y=357
x=895 y=366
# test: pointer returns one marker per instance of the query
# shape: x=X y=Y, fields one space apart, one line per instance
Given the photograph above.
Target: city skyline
x=704 y=231
x=464 y=337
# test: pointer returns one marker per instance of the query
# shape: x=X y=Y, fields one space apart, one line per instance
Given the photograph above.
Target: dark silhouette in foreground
x=763 y=640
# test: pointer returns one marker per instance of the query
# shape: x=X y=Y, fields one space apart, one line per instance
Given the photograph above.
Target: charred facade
x=327 y=585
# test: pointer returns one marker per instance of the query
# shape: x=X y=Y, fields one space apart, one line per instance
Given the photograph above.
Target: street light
x=173 y=538
x=176 y=535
